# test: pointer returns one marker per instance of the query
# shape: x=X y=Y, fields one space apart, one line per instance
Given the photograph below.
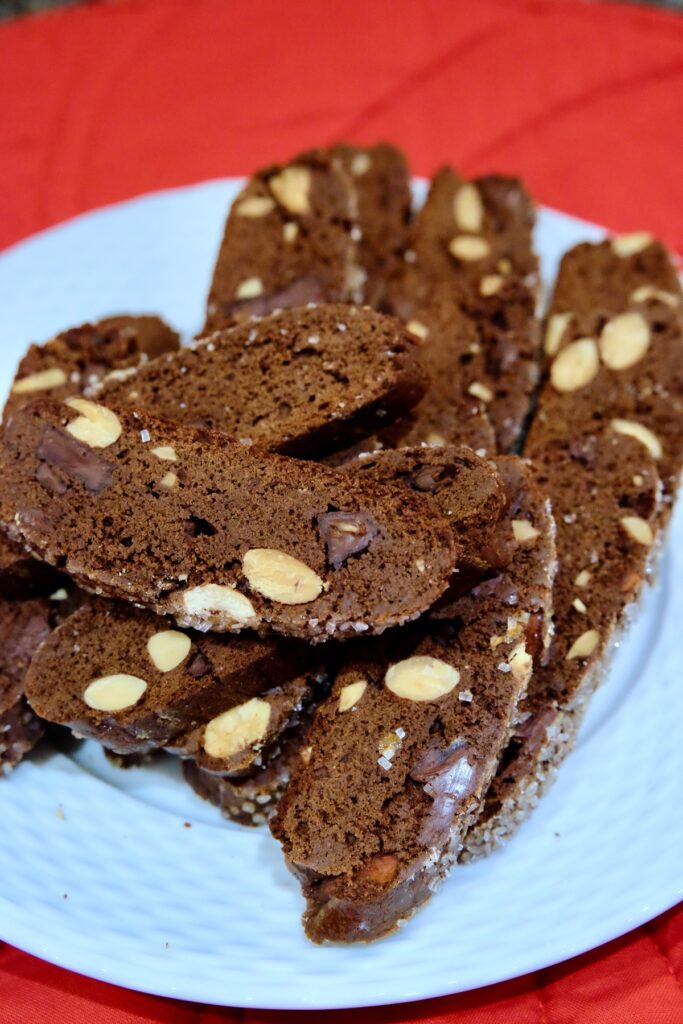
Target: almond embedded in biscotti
x=490 y=284
x=421 y=678
x=96 y=425
x=629 y=245
x=639 y=529
x=524 y=532
x=360 y=164
x=641 y=433
x=237 y=729
x=281 y=577
x=255 y=206
x=250 y=288
x=624 y=340
x=165 y=452
x=169 y=480
x=115 y=692
x=648 y=291
x=555 y=328
x=350 y=694
x=480 y=391
x=168 y=648
x=469 y=248
x=44 y=380
x=417 y=328
x=584 y=646
x=576 y=366
x=291 y=187
x=468 y=209
x=520 y=661
x=218 y=599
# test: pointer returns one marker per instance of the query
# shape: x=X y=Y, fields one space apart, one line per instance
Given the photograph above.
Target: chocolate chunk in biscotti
x=465 y=488
x=186 y=522
x=302 y=381
x=381 y=181
x=77 y=359
x=475 y=231
x=289 y=240
x=23 y=627
x=135 y=682
x=613 y=276
x=623 y=372
x=400 y=754
x=604 y=493
x=251 y=797
x=481 y=349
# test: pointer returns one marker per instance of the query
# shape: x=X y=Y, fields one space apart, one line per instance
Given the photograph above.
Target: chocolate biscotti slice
x=381 y=181
x=613 y=276
x=289 y=239
x=475 y=232
x=403 y=750
x=481 y=349
x=301 y=382
x=624 y=372
x=604 y=491
x=23 y=627
x=134 y=682
x=188 y=523
x=77 y=359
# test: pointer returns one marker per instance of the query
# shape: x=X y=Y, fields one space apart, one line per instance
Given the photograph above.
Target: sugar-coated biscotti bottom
x=401 y=753
x=604 y=491
x=187 y=523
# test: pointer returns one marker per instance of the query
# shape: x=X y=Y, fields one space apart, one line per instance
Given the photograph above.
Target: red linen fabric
x=584 y=100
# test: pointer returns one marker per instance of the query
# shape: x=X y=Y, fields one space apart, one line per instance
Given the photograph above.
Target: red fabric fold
x=584 y=100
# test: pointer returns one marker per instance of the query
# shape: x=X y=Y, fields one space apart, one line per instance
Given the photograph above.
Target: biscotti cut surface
x=623 y=372
x=300 y=382
x=188 y=523
x=466 y=489
x=480 y=349
x=80 y=357
x=23 y=627
x=289 y=240
x=134 y=681
x=247 y=734
x=615 y=274
x=604 y=492
x=403 y=749
x=380 y=177
x=471 y=231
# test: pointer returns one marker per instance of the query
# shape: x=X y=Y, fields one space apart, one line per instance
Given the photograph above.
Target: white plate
x=97 y=869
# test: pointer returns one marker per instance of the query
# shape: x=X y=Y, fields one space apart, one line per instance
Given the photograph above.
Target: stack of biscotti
x=607 y=448
x=313 y=575
x=35 y=596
